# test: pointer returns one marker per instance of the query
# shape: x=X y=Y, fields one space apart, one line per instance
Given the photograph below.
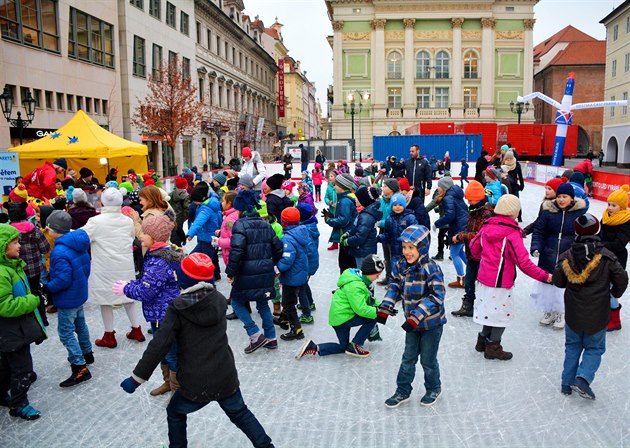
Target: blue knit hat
x=246 y=200
x=565 y=189
x=398 y=199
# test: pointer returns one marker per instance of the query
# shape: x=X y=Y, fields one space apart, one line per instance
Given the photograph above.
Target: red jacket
x=40 y=183
x=585 y=167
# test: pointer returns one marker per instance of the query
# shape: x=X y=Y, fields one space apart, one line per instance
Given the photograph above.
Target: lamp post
x=519 y=109
x=6 y=102
x=352 y=110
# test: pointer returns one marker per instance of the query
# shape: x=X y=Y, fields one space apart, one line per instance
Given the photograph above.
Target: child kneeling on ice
x=591 y=274
x=418 y=281
x=352 y=305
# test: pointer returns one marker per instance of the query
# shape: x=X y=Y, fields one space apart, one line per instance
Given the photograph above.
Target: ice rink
x=337 y=401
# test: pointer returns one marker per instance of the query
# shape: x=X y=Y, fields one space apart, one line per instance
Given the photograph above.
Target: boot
x=333 y=246
x=615 y=320
x=173 y=379
x=558 y=324
x=459 y=283
x=166 y=385
x=277 y=308
x=136 y=334
x=108 y=340
x=282 y=320
x=465 y=311
x=295 y=333
x=480 y=346
x=495 y=351
x=79 y=375
x=439 y=256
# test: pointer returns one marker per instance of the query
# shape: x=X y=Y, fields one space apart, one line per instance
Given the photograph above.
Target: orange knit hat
x=474 y=191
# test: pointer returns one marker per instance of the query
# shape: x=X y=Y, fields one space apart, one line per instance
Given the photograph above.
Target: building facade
x=428 y=61
x=616 y=139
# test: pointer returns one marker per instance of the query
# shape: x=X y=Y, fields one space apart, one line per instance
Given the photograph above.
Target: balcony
x=394 y=113
x=471 y=113
x=433 y=112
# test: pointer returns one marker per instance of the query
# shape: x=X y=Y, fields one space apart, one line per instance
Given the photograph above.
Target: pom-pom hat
x=586 y=225
x=555 y=182
x=508 y=205
x=158 y=227
x=620 y=197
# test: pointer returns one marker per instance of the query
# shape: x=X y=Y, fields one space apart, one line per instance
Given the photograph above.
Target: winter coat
x=208 y=218
x=529 y=229
x=319 y=158
x=418 y=173
x=580 y=193
x=615 y=239
x=254 y=251
x=225 y=235
x=398 y=170
x=591 y=274
x=362 y=235
x=385 y=205
x=318 y=177
x=313 y=254
x=87 y=186
x=494 y=191
x=293 y=265
x=463 y=172
x=419 y=210
x=158 y=285
x=351 y=298
x=41 y=182
x=33 y=244
x=516 y=180
x=480 y=168
x=206 y=370
x=554 y=232
x=394 y=226
x=345 y=214
x=455 y=211
x=180 y=201
x=499 y=247
x=585 y=167
x=20 y=323
x=276 y=202
x=255 y=168
x=287 y=161
x=478 y=214
x=308 y=199
x=330 y=198
x=433 y=163
x=68 y=279
x=111 y=241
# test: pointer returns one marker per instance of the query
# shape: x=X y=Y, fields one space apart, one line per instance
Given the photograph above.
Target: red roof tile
x=581 y=53
x=567 y=34
x=272 y=32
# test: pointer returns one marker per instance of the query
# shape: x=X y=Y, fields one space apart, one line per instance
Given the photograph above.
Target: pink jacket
x=225 y=235
x=317 y=177
x=499 y=246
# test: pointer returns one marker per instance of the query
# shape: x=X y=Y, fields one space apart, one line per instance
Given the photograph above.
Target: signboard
x=281 y=109
x=259 y=129
x=9 y=170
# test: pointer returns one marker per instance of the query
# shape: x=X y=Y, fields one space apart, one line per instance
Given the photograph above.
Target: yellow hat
x=620 y=197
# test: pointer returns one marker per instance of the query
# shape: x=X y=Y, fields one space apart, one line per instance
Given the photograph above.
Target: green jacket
x=352 y=298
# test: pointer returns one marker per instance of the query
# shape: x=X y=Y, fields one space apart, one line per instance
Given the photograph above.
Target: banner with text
x=9 y=170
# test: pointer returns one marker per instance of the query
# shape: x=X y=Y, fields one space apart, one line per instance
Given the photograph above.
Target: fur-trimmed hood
x=551 y=205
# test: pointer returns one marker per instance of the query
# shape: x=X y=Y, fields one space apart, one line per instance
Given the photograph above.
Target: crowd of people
x=68 y=239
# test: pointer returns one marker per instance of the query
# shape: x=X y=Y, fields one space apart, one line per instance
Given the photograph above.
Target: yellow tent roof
x=81 y=137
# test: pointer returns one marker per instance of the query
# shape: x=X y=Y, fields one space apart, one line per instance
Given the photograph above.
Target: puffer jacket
x=385 y=206
x=225 y=236
x=394 y=226
x=208 y=218
x=313 y=254
x=308 y=199
x=293 y=265
x=616 y=238
x=362 y=235
x=345 y=214
x=455 y=211
x=254 y=251
x=554 y=232
x=419 y=210
x=494 y=191
x=277 y=201
x=33 y=244
x=80 y=213
x=70 y=259
x=157 y=287
x=351 y=298
x=478 y=214
x=580 y=192
x=499 y=247
x=180 y=201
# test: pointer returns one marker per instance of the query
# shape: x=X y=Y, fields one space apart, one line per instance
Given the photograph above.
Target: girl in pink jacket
x=230 y=217
x=499 y=246
x=318 y=179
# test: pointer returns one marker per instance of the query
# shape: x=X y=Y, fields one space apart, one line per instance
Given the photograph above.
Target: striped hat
x=345 y=181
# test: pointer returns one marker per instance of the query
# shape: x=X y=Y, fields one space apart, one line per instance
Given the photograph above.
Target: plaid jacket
x=33 y=244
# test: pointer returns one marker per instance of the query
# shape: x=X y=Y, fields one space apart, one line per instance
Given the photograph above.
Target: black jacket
x=418 y=173
x=397 y=169
x=419 y=210
x=275 y=203
x=480 y=167
x=589 y=282
x=615 y=238
x=196 y=321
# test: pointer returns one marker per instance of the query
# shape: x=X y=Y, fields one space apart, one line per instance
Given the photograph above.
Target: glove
x=536 y=254
x=410 y=324
x=382 y=313
x=118 y=288
x=129 y=385
x=522 y=187
x=326 y=214
x=344 y=239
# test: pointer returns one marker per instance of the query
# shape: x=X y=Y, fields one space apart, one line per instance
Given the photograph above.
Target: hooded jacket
x=180 y=201
x=351 y=298
x=394 y=226
x=455 y=211
x=277 y=201
x=362 y=235
x=41 y=182
x=33 y=244
x=208 y=218
x=345 y=213
x=419 y=210
x=225 y=236
x=255 y=168
x=313 y=254
x=293 y=265
x=206 y=370
x=68 y=281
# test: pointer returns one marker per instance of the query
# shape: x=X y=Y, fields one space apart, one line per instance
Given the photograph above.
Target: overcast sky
x=306 y=26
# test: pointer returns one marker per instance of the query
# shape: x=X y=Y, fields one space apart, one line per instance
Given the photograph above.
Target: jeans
x=206 y=248
x=171 y=356
x=359 y=261
x=458 y=255
x=493 y=333
x=233 y=406
x=423 y=343
x=70 y=321
x=472 y=270
x=614 y=303
x=305 y=298
x=248 y=323
x=15 y=372
x=303 y=166
x=343 y=334
x=589 y=347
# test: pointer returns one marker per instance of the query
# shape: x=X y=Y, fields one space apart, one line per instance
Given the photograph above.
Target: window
x=31 y=22
x=470 y=65
x=79 y=103
x=626 y=63
x=422 y=65
x=198 y=31
x=183 y=23
x=37 y=96
x=211 y=94
x=615 y=32
x=394 y=98
x=228 y=97
x=422 y=97
x=441 y=97
x=170 y=15
x=185 y=68
x=220 y=96
x=172 y=57
x=209 y=39
x=233 y=55
x=155 y=9
x=613 y=68
x=90 y=39
x=394 y=65
x=470 y=97
x=97 y=106
x=201 y=92
x=138 y=3
x=225 y=52
x=88 y=105
x=624 y=109
x=69 y=103
x=139 y=61
x=218 y=45
x=48 y=98
x=156 y=63
x=60 y=101
x=628 y=24
x=105 y=107
x=441 y=65
x=612 y=109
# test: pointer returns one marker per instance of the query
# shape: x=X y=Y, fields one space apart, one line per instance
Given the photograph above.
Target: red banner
x=281 y=88
x=605 y=183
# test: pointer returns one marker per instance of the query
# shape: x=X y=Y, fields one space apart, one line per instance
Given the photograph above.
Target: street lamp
x=352 y=110
x=6 y=102
x=519 y=109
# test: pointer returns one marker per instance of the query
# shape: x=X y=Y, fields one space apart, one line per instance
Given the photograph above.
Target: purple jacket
x=499 y=246
x=158 y=286
x=308 y=199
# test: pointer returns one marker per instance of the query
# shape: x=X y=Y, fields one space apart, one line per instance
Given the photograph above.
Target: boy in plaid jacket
x=419 y=282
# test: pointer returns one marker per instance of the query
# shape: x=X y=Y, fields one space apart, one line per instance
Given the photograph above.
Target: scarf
x=511 y=164
x=621 y=217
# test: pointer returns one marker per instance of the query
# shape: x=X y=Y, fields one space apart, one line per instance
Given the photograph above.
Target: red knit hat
x=198 y=266
x=555 y=182
x=247 y=152
x=290 y=217
x=149 y=182
x=181 y=183
x=404 y=184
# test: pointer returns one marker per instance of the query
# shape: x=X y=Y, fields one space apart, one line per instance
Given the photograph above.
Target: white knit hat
x=111 y=197
x=508 y=205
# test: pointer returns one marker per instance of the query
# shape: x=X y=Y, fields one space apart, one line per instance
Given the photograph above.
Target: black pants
x=442 y=233
x=472 y=270
x=289 y=301
x=33 y=283
x=287 y=175
x=492 y=333
x=346 y=261
x=387 y=255
x=318 y=191
x=178 y=236
x=15 y=375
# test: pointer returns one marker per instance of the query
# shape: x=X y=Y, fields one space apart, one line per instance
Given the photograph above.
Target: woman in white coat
x=111 y=236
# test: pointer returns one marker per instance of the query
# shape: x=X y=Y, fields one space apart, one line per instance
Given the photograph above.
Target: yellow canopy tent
x=83 y=143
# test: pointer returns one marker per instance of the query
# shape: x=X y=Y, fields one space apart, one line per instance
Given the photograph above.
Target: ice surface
x=337 y=401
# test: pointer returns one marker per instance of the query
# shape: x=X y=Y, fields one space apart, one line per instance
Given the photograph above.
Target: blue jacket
x=208 y=219
x=70 y=270
x=394 y=226
x=580 y=193
x=293 y=265
x=362 y=235
x=345 y=213
x=386 y=207
x=494 y=191
x=464 y=171
x=455 y=211
x=313 y=254
x=419 y=210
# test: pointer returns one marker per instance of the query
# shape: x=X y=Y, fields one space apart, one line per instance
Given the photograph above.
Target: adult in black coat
x=303 y=157
x=276 y=199
x=397 y=168
x=418 y=172
x=480 y=167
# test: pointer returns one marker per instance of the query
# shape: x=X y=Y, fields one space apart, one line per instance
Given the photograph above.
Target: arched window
x=441 y=65
x=422 y=65
x=394 y=65
x=471 y=61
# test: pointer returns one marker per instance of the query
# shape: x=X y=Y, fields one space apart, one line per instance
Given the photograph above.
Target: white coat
x=111 y=236
x=255 y=168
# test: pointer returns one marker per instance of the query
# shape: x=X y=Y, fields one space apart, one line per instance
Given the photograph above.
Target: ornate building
x=410 y=61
